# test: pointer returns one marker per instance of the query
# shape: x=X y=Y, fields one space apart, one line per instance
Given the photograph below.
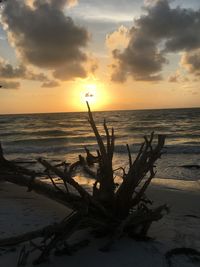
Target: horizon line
x=62 y=112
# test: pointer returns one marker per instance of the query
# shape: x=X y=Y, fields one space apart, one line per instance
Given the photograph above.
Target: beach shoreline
x=23 y=211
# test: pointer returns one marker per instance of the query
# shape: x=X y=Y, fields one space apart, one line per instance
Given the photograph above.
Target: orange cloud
x=118 y=39
x=72 y=3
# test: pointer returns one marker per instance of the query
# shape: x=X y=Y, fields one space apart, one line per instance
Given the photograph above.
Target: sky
x=56 y=54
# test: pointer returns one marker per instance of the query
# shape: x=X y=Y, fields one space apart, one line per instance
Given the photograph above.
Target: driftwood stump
x=111 y=209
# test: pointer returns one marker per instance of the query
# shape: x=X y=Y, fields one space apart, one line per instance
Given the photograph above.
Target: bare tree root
x=112 y=210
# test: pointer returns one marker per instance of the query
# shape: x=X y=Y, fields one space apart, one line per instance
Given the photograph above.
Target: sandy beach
x=100 y=133
x=23 y=211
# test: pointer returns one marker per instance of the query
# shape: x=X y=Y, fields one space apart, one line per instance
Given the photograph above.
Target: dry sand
x=22 y=211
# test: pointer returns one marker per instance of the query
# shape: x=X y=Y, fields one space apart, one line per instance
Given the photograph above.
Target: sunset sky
x=130 y=54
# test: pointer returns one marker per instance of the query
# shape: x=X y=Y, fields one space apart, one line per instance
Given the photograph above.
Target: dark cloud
x=9 y=85
x=38 y=77
x=141 y=59
x=191 y=62
x=7 y=71
x=44 y=36
x=180 y=27
x=119 y=72
x=161 y=30
x=68 y=71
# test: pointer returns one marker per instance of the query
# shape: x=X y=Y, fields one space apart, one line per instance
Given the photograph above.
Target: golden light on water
x=92 y=91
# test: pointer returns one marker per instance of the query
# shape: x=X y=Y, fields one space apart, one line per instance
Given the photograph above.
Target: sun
x=89 y=93
x=93 y=92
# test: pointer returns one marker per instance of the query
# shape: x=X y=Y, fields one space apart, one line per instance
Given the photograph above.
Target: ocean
x=62 y=136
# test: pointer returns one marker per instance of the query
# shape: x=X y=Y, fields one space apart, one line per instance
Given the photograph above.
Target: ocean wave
x=7 y=134
x=169 y=149
x=52 y=141
x=148 y=128
x=183 y=149
x=51 y=133
x=77 y=143
x=22 y=150
x=69 y=132
x=191 y=143
x=185 y=135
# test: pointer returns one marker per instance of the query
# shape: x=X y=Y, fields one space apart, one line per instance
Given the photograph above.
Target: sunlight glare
x=94 y=92
x=89 y=93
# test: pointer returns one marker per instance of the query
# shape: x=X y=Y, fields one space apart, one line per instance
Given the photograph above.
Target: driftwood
x=13 y=173
x=111 y=209
x=43 y=232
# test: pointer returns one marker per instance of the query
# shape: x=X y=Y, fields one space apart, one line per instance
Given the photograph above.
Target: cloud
x=9 y=72
x=161 y=30
x=120 y=37
x=38 y=77
x=178 y=27
x=44 y=37
x=191 y=62
x=68 y=71
x=59 y=3
x=29 y=3
x=93 y=67
x=2 y=38
x=92 y=64
x=119 y=73
x=50 y=84
x=141 y=59
x=174 y=78
x=150 y=2
x=9 y=85
x=72 y=3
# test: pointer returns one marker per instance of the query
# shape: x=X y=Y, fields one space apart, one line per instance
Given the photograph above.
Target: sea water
x=62 y=136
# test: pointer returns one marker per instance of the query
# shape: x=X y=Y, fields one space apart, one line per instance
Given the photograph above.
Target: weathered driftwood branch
x=67 y=177
x=21 y=176
x=109 y=209
x=46 y=231
x=64 y=231
x=105 y=193
x=143 y=164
